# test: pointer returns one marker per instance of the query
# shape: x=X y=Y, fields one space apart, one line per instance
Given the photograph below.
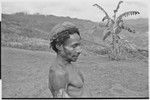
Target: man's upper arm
x=58 y=79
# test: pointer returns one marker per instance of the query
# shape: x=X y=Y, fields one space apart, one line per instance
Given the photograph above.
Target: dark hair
x=62 y=36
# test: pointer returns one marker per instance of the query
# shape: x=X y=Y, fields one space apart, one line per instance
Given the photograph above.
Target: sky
x=81 y=9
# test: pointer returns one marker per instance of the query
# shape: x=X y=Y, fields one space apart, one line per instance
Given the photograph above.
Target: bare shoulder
x=57 y=76
x=58 y=79
x=56 y=70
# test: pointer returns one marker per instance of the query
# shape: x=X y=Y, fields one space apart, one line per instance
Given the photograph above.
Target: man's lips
x=76 y=56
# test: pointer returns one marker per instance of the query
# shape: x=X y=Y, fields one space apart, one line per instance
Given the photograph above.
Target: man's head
x=65 y=41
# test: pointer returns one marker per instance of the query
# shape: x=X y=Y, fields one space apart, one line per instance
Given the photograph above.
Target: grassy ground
x=25 y=74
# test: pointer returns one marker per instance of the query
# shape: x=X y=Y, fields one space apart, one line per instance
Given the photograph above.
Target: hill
x=31 y=31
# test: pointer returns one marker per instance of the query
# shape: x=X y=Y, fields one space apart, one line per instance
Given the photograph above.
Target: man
x=65 y=80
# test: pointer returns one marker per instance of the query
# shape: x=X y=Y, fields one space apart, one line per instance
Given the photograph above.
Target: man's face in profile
x=72 y=47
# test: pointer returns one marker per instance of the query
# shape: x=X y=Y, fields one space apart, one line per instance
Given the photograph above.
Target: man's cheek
x=69 y=51
x=69 y=48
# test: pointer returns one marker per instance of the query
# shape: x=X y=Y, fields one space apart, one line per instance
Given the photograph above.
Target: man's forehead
x=74 y=38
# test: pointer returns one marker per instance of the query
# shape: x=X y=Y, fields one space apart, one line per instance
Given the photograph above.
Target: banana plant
x=115 y=25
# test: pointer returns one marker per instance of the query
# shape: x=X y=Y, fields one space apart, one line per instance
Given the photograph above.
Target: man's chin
x=74 y=59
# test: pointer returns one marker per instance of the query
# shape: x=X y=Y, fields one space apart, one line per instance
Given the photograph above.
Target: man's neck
x=62 y=61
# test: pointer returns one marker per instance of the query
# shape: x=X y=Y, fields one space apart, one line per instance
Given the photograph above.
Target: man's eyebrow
x=76 y=43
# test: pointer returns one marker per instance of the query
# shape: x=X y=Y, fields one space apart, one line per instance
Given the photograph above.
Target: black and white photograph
x=74 y=49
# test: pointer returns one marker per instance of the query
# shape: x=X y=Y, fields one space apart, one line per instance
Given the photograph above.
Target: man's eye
x=75 y=45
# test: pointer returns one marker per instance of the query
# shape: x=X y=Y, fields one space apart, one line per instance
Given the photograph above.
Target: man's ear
x=59 y=47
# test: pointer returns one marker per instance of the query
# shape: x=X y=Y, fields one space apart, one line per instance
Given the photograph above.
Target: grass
x=25 y=74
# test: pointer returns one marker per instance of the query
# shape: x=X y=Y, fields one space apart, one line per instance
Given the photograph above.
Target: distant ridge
x=39 y=26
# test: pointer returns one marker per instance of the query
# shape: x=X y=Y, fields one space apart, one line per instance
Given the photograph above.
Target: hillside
x=140 y=24
x=26 y=31
x=39 y=24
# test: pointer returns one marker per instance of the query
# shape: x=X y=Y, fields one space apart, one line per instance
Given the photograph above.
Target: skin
x=65 y=79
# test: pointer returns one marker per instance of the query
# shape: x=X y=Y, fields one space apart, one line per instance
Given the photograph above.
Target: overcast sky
x=82 y=9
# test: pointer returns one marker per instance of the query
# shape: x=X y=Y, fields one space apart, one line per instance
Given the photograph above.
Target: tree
x=113 y=27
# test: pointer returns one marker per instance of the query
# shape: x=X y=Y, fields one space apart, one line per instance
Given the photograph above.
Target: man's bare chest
x=74 y=77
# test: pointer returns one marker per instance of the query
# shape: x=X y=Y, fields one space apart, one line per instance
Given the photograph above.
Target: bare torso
x=74 y=80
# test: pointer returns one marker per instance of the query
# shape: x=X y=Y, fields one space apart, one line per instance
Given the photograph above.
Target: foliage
x=114 y=27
